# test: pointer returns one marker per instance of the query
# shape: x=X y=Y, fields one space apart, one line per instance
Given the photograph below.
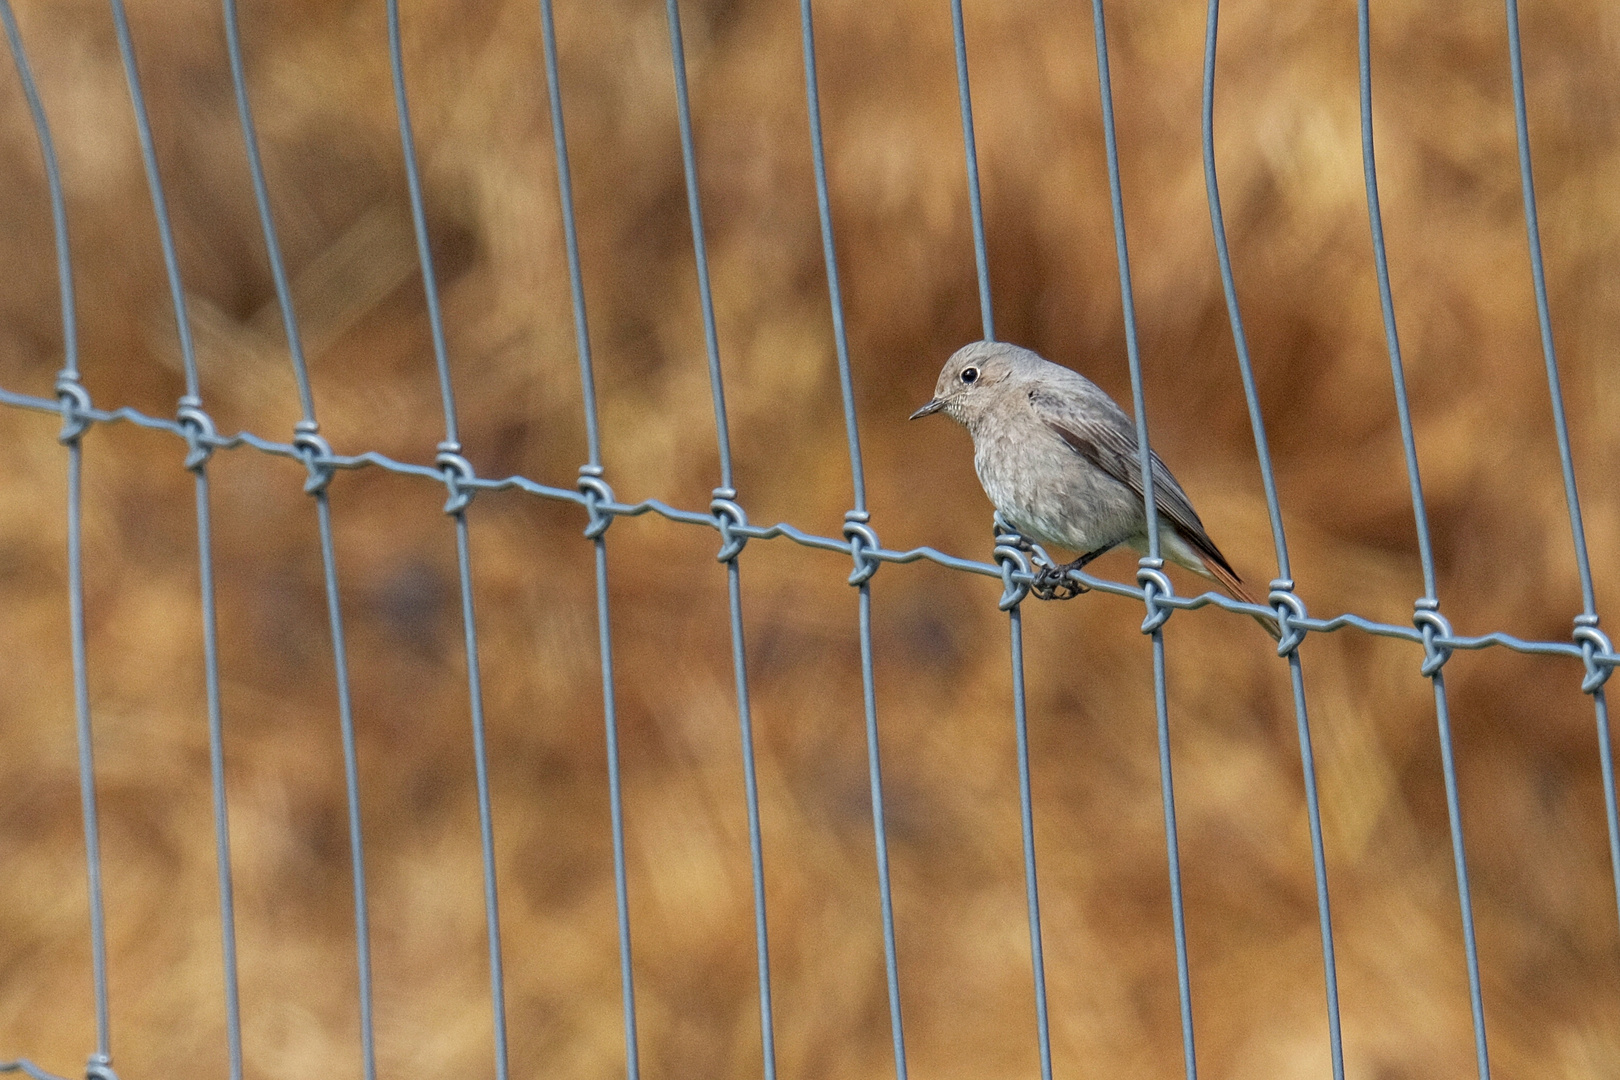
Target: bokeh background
x=1288 y=144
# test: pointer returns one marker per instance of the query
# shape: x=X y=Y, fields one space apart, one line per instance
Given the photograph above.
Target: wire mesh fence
x=1430 y=639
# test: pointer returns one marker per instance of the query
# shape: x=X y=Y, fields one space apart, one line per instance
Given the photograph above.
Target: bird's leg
x=1053 y=582
x=1080 y=563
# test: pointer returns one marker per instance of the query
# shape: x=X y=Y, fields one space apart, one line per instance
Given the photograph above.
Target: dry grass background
x=1289 y=150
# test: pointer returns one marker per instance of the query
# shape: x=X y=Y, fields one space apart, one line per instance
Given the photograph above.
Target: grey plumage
x=1059 y=460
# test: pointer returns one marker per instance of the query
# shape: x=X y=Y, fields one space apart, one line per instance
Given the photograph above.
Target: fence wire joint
x=198 y=428
x=458 y=471
x=1289 y=607
x=1014 y=561
x=1435 y=627
x=316 y=453
x=75 y=401
x=728 y=515
x=597 y=495
x=1592 y=642
x=861 y=538
x=1154 y=581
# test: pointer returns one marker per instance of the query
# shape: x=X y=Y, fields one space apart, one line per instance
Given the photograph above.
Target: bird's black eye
x=970 y=375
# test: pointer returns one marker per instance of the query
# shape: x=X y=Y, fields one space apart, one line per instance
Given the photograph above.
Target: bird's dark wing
x=1103 y=436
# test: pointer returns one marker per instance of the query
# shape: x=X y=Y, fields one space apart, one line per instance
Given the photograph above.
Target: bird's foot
x=1054 y=583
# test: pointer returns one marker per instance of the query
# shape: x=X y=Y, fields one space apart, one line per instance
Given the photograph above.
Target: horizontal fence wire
x=859 y=541
x=1605 y=658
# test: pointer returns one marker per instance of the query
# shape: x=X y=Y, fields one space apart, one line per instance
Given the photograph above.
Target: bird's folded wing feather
x=1104 y=437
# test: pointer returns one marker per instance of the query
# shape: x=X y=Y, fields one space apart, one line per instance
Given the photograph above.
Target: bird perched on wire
x=1059 y=460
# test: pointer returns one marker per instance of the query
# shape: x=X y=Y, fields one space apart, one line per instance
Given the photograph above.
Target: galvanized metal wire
x=728 y=511
x=72 y=399
x=1151 y=568
x=308 y=438
x=1426 y=615
x=1591 y=639
x=1009 y=556
x=861 y=538
x=1282 y=596
x=454 y=469
x=726 y=515
x=595 y=493
x=194 y=422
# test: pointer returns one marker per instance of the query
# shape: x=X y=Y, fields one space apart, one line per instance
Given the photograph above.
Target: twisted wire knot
x=1151 y=576
x=597 y=494
x=458 y=474
x=317 y=456
x=1428 y=619
x=1593 y=641
x=861 y=539
x=198 y=428
x=727 y=516
x=1013 y=561
x=100 y=1068
x=75 y=404
x=1289 y=607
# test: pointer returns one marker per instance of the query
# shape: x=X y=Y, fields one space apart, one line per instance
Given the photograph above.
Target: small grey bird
x=1058 y=458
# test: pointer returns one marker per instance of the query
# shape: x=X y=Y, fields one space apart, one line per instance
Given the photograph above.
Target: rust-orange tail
x=1234 y=586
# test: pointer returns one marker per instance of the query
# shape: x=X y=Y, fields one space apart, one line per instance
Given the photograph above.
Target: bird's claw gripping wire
x=1051 y=581
x=1054 y=583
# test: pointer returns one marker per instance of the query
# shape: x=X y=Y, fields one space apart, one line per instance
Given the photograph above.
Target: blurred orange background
x=1289 y=149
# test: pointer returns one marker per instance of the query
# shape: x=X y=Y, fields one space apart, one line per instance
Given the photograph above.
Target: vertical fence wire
x=1012 y=601
x=74 y=399
x=1427 y=615
x=456 y=469
x=727 y=512
x=857 y=530
x=1587 y=633
x=1151 y=575
x=198 y=428
x=597 y=493
x=1026 y=811
x=315 y=451
x=1282 y=594
x=981 y=258
x=53 y=185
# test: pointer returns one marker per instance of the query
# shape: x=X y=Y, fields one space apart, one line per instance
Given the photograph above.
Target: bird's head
x=972 y=380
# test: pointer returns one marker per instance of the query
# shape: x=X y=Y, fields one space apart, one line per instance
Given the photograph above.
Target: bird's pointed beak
x=932 y=407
